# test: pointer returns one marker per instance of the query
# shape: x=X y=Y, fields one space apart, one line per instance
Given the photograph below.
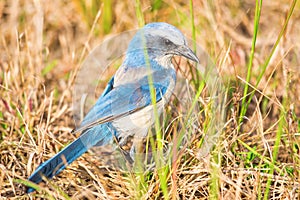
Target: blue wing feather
x=129 y=97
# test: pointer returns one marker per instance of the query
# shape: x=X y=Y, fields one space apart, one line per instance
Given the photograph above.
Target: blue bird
x=125 y=108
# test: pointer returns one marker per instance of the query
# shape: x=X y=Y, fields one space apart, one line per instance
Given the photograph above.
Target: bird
x=125 y=107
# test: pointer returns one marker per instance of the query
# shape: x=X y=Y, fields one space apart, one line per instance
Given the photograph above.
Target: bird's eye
x=168 y=42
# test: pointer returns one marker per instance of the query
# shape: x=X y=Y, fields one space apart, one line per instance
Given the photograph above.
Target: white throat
x=165 y=61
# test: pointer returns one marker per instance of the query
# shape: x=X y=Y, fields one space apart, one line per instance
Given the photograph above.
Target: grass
x=249 y=125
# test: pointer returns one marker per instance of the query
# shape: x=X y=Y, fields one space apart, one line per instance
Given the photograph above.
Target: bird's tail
x=98 y=135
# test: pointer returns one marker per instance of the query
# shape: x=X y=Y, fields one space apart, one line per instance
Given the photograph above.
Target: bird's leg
x=126 y=155
x=137 y=149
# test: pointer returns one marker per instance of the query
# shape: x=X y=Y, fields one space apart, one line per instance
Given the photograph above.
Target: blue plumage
x=125 y=107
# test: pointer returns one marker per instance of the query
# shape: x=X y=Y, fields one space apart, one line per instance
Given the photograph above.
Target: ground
x=44 y=43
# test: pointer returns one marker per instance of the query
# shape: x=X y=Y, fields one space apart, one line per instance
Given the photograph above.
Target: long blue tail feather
x=99 y=134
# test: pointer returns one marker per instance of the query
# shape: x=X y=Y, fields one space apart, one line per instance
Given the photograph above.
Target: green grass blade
x=156 y=5
x=195 y=76
x=279 y=133
x=245 y=102
x=107 y=16
x=251 y=57
x=139 y=13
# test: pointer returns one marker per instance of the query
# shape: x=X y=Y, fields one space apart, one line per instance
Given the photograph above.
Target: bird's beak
x=187 y=52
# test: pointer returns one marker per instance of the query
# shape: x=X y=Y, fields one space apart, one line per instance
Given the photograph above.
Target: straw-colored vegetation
x=257 y=53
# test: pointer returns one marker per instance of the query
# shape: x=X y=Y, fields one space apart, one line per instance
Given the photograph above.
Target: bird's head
x=162 y=40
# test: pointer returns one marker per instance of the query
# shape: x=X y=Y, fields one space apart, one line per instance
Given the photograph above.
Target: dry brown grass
x=35 y=106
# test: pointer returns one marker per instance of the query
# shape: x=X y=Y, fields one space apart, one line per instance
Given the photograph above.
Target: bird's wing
x=127 y=99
